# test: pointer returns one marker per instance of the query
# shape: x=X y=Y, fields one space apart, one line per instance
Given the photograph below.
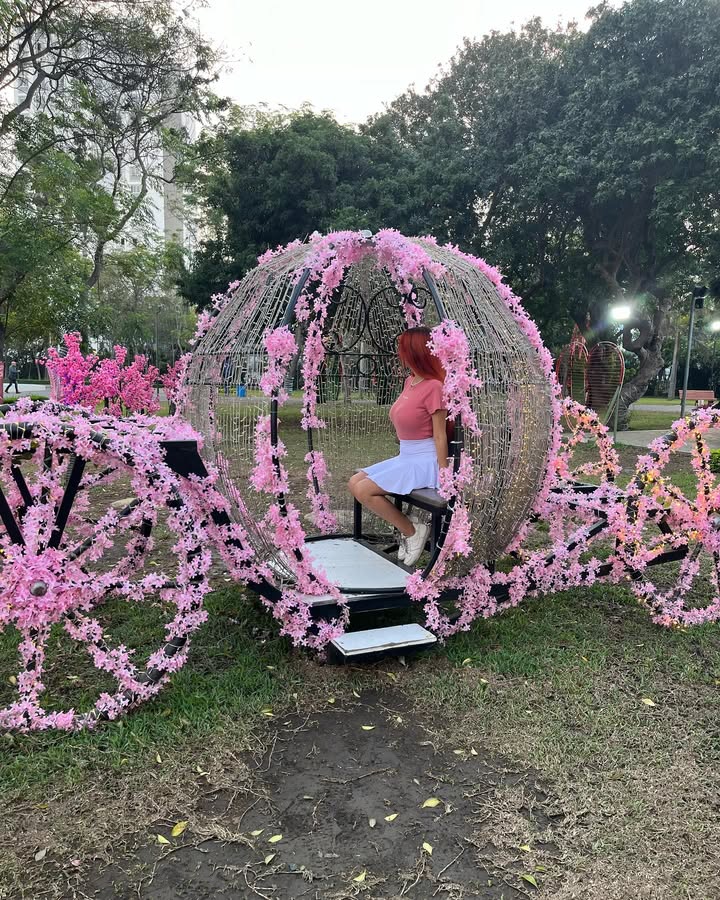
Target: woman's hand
x=439 y=420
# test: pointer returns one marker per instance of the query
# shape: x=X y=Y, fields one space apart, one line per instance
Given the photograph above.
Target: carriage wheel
x=587 y=453
x=103 y=569
x=670 y=542
x=583 y=488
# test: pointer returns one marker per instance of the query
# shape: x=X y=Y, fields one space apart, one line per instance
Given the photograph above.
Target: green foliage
x=266 y=179
x=715 y=460
x=137 y=305
x=66 y=153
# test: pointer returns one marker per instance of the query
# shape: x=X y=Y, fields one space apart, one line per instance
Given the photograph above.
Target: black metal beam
x=8 y=520
x=71 y=489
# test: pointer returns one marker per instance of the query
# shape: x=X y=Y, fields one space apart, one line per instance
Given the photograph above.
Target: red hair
x=414 y=353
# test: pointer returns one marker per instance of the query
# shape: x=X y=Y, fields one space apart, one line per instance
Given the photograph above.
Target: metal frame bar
x=63 y=513
x=8 y=520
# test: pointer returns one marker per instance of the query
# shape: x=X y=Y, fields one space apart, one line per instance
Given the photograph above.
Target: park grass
x=657 y=401
x=652 y=420
x=557 y=687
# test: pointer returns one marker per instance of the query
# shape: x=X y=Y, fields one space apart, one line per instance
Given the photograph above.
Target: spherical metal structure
x=360 y=378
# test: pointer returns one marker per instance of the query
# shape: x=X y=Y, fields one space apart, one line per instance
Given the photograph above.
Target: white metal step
x=378 y=640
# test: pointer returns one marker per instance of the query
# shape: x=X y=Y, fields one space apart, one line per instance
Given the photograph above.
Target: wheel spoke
x=8 y=520
x=63 y=513
x=27 y=498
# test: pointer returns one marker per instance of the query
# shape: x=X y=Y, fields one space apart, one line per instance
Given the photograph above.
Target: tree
x=592 y=161
x=634 y=156
x=138 y=305
x=92 y=88
x=474 y=132
x=264 y=180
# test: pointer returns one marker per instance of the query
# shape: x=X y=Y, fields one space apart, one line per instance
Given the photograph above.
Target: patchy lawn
x=651 y=420
x=573 y=749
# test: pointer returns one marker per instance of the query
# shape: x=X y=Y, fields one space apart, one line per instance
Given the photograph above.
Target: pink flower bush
x=87 y=380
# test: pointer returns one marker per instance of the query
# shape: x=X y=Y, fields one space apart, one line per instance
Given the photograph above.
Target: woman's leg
x=373 y=496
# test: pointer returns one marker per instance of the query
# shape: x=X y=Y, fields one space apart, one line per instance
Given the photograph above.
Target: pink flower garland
x=71 y=590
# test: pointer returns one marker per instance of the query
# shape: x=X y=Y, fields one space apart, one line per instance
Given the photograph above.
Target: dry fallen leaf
x=427 y=848
x=530 y=879
x=648 y=702
x=178 y=828
x=467 y=662
x=391 y=817
x=162 y=840
x=367 y=727
x=355 y=694
x=269 y=858
x=274 y=839
x=12 y=680
x=41 y=854
x=258 y=831
x=473 y=751
x=372 y=822
x=360 y=878
x=331 y=699
x=158 y=759
x=267 y=712
x=525 y=847
x=431 y=803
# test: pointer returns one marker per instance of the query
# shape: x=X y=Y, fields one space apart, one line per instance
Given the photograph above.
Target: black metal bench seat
x=426 y=499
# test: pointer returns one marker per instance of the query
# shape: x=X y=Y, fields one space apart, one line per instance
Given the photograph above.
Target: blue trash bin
x=241 y=390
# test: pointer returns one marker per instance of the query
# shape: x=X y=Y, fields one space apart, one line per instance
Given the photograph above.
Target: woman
x=420 y=421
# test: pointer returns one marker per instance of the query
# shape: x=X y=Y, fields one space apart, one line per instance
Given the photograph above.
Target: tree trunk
x=651 y=361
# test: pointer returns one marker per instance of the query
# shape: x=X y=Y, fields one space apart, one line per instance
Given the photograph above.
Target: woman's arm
x=439 y=420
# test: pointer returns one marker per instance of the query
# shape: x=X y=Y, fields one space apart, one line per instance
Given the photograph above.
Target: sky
x=353 y=58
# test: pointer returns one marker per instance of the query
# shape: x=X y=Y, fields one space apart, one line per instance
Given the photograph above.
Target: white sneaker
x=402 y=543
x=415 y=544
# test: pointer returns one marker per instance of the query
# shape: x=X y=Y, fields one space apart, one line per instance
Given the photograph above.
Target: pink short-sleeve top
x=411 y=413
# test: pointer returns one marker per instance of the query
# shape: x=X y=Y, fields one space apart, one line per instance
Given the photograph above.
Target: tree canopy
x=88 y=88
x=586 y=164
x=265 y=179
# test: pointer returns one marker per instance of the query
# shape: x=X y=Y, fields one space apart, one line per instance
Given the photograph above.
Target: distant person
x=13 y=377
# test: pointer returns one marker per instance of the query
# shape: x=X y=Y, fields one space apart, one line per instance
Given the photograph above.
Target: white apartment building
x=165 y=199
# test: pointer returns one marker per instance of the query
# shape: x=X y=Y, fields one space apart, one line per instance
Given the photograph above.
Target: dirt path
x=348 y=790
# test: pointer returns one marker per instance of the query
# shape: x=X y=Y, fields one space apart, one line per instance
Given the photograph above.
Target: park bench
x=701 y=398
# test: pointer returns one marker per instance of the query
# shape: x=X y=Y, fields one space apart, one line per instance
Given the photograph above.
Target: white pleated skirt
x=416 y=466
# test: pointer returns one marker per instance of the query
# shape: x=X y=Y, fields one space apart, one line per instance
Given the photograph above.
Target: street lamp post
x=715 y=328
x=620 y=313
x=698 y=294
